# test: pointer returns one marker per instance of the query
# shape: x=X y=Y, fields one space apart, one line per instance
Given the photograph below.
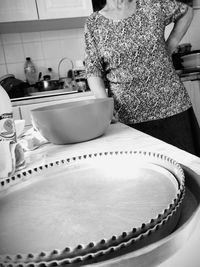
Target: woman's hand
x=180 y=28
x=97 y=86
x=115 y=117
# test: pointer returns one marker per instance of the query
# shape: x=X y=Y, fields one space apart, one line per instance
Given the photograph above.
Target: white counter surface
x=48 y=97
x=121 y=137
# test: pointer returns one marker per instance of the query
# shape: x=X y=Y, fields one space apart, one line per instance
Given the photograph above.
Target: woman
x=126 y=53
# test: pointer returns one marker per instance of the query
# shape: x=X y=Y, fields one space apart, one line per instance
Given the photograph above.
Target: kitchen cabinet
x=18 y=10
x=53 y=9
x=193 y=89
x=31 y=10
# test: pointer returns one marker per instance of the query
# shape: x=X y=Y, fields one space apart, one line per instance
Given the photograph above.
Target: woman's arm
x=97 y=86
x=180 y=28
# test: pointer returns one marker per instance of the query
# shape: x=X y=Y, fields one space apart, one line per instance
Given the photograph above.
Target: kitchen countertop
x=74 y=94
x=121 y=137
x=48 y=97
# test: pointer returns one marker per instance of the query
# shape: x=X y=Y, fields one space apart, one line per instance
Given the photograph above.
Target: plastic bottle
x=30 y=71
x=7 y=134
x=52 y=74
x=79 y=76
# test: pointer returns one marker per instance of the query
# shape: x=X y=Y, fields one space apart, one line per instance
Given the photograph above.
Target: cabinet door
x=53 y=9
x=17 y=10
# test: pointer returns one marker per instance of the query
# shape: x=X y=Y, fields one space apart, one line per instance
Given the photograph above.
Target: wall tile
x=52 y=63
x=17 y=69
x=51 y=49
x=14 y=53
x=73 y=48
x=33 y=50
x=40 y=66
x=195 y=38
x=71 y=33
x=3 y=70
x=50 y=35
x=13 y=38
x=30 y=37
x=2 y=57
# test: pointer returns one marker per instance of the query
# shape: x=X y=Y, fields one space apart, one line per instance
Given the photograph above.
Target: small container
x=7 y=135
x=184 y=48
x=52 y=74
x=30 y=71
x=192 y=60
x=80 y=76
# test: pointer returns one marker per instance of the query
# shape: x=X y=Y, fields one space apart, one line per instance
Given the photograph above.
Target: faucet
x=65 y=78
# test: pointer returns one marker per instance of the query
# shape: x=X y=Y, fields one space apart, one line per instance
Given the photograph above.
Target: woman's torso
x=138 y=69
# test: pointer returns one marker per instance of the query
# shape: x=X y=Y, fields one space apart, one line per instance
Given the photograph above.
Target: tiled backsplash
x=45 y=49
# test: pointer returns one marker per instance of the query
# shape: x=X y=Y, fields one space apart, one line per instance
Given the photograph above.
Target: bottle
x=79 y=76
x=30 y=71
x=7 y=134
x=52 y=74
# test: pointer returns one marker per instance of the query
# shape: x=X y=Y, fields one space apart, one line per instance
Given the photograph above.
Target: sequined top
x=131 y=54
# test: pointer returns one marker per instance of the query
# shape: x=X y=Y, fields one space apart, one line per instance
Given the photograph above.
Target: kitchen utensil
x=184 y=48
x=75 y=121
x=192 y=60
x=13 y=86
x=47 y=84
x=90 y=207
x=39 y=76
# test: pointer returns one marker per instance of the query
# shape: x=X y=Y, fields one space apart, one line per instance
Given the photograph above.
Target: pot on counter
x=13 y=86
x=191 y=60
x=47 y=84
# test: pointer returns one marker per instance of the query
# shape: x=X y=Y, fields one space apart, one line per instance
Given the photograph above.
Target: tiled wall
x=45 y=48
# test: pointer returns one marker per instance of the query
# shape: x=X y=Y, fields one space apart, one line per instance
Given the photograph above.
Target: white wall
x=45 y=48
x=193 y=34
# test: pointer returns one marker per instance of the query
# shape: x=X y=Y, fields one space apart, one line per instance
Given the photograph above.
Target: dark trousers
x=181 y=130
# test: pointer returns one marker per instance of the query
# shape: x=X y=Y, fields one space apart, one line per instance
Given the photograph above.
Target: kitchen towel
x=32 y=139
x=11 y=158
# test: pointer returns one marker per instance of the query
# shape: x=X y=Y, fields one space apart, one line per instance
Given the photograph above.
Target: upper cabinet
x=32 y=10
x=18 y=10
x=54 y=9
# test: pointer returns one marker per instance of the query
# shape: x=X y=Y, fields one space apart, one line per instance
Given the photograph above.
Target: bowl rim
x=71 y=105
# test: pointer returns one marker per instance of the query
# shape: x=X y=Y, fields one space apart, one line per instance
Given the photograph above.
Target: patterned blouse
x=131 y=56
